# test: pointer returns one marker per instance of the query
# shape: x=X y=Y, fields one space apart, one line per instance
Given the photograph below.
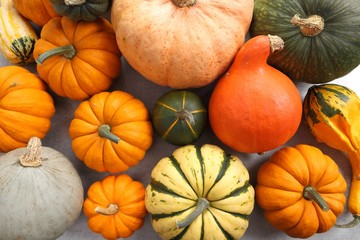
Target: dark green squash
x=317 y=49
x=77 y=10
x=179 y=117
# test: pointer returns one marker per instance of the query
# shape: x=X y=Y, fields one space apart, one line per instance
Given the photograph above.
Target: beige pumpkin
x=181 y=43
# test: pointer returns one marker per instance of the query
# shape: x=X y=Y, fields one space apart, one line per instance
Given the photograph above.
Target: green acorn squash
x=77 y=10
x=200 y=193
x=322 y=37
x=179 y=117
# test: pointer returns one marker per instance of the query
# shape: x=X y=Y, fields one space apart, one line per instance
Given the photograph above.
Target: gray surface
x=130 y=81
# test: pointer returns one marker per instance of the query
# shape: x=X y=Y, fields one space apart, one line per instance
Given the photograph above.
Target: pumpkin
x=199 y=193
x=332 y=114
x=77 y=10
x=26 y=108
x=322 y=38
x=180 y=43
x=254 y=107
x=41 y=193
x=115 y=206
x=77 y=59
x=111 y=131
x=37 y=11
x=179 y=117
x=17 y=35
x=307 y=194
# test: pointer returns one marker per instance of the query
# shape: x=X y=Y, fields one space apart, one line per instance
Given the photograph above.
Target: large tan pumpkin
x=181 y=43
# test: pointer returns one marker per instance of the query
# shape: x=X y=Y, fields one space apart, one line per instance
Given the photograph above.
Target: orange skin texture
x=254 y=107
x=181 y=47
x=96 y=64
x=128 y=119
x=127 y=194
x=282 y=199
x=26 y=108
x=37 y=11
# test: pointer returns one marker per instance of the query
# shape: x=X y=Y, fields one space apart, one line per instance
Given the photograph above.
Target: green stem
x=350 y=224
x=200 y=208
x=185 y=115
x=105 y=132
x=310 y=193
x=184 y=3
x=68 y=51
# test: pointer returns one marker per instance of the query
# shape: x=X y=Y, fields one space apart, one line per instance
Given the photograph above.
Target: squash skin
x=180 y=47
x=38 y=202
x=282 y=199
x=179 y=117
x=17 y=36
x=125 y=193
x=91 y=64
x=332 y=114
x=127 y=119
x=254 y=107
x=318 y=59
x=192 y=173
x=26 y=107
x=37 y=11
x=89 y=10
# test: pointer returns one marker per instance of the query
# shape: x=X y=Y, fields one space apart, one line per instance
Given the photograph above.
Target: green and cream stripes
x=200 y=174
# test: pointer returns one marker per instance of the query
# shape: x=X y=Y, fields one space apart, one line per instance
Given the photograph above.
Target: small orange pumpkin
x=301 y=191
x=26 y=108
x=77 y=59
x=37 y=11
x=111 y=131
x=115 y=206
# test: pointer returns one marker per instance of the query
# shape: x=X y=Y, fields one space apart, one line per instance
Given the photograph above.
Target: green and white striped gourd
x=200 y=193
x=17 y=36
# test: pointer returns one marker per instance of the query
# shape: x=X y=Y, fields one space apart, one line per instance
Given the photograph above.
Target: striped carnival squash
x=332 y=113
x=179 y=117
x=199 y=193
x=17 y=36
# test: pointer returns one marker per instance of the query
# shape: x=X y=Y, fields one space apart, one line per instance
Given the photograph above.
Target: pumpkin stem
x=276 y=43
x=111 y=209
x=32 y=158
x=74 y=2
x=201 y=206
x=67 y=51
x=311 y=26
x=185 y=115
x=105 y=131
x=184 y=3
x=310 y=193
x=351 y=224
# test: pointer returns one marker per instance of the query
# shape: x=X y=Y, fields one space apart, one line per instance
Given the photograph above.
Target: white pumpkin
x=41 y=195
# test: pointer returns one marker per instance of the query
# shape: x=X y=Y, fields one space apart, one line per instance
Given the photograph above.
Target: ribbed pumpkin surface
x=193 y=174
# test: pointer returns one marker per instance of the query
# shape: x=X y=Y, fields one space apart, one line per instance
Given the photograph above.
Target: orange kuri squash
x=254 y=107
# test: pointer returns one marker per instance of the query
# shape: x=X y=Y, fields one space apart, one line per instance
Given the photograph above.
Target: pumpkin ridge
x=224 y=166
x=226 y=234
x=160 y=187
x=237 y=191
x=177 y=166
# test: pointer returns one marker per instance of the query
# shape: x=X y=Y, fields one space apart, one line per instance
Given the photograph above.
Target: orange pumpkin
x=26 y=108
x=111 y=131
x=254 y=107
x=37 y=11
x=301 y=191
x=115 y=206
x=77 y=59
x=181 y=43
